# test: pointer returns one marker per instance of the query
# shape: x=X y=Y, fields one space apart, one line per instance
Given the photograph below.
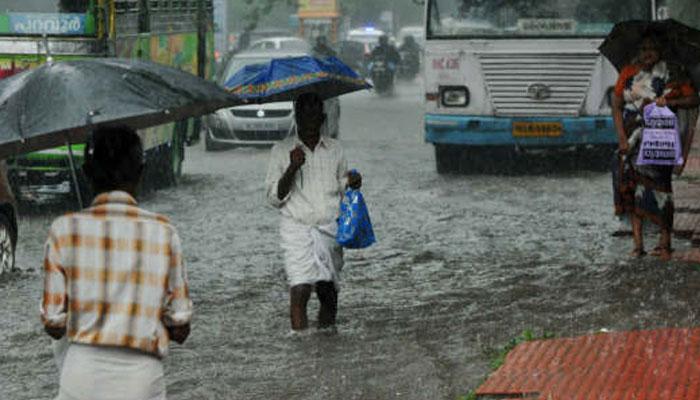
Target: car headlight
x=454 y=96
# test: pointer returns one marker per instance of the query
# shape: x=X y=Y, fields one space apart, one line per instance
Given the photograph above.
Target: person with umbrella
x=644 y=192
x=115 y=288
x=306 y=178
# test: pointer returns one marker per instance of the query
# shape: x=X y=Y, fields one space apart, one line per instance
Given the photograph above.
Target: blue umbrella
x=283 y=79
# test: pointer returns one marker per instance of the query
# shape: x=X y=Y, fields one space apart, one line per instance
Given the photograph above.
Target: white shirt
x=315 y=195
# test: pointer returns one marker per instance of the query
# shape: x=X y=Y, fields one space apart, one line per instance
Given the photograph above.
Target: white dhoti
x=106 y=373
x=311 y=253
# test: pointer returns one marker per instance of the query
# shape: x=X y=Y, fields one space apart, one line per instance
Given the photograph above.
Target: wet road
x=462 y=265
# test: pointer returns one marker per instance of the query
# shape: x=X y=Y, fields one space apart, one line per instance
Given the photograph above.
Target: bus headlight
x=454 y=96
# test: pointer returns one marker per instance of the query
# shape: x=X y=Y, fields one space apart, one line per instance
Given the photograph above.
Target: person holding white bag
x=644 y=192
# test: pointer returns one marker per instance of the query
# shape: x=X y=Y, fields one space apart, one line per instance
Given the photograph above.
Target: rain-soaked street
x=463 y=264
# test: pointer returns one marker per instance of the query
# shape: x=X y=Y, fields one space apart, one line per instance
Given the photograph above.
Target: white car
x=258 y=124
x=368 y=36
x=283 y=43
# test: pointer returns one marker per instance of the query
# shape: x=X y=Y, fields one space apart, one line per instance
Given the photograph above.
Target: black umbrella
x=59 y=103
x=680 y=43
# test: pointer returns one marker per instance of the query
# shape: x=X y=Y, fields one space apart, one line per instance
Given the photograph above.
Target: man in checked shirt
x=115 y=287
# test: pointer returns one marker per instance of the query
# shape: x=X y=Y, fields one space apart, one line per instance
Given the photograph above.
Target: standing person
x=114 y=284
x=645 y=192
x=305 y=180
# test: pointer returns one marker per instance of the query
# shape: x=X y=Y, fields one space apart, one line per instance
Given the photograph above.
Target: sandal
x=638 y=252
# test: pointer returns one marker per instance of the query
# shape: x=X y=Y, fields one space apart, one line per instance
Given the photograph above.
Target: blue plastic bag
x=354 y=226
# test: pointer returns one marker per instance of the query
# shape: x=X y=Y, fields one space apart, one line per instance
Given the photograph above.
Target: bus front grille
x=530 y=85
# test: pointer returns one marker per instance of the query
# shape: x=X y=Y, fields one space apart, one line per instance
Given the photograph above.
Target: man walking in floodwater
x=305 y=180
x=114 y=284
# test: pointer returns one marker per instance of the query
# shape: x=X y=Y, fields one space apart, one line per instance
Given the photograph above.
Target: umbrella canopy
x=283 y=79
x=680 y=43
x=61 y=102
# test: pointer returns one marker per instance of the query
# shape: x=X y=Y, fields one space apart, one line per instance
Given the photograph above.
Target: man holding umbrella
x=305 y=180
x=114 y=283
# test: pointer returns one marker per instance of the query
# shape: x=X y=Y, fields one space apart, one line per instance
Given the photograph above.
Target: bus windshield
x=44 y=6
x=530 y=18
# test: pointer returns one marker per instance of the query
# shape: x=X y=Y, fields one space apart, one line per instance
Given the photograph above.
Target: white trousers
x=311 y=253
x=110 y=373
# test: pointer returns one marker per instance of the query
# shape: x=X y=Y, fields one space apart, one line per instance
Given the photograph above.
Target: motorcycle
x=382 y=73
x=409 y=66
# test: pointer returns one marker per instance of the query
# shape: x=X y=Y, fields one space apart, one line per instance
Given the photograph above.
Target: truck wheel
x=8 y=239
x=447 y=158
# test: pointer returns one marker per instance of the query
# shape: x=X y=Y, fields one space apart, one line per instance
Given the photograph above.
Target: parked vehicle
x=258 y=124
x=116 y=28
x=8 y=205
x=8 y=222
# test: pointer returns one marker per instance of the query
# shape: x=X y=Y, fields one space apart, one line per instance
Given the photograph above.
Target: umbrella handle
x=74 y=175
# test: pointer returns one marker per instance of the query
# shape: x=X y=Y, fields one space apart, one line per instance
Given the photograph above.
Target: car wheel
x=211 y=145
x=7 y=245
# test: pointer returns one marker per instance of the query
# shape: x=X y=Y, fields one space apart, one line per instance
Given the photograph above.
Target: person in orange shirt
x=115 y=288
x=645 y=192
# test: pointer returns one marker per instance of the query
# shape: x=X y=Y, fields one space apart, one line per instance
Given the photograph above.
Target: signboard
x=318 y=9
x=50 y=24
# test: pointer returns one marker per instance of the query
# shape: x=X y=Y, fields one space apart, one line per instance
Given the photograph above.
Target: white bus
x=520 y=75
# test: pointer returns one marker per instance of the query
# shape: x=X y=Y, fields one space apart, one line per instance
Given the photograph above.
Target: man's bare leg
x=298 y=299
x=328 y=296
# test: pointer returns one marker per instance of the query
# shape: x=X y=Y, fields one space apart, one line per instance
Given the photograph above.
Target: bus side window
x=144 y=17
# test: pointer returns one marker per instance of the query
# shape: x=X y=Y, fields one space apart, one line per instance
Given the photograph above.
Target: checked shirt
x=113 y=276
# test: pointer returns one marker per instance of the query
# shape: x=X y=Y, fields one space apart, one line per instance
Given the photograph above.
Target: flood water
x=463 y=264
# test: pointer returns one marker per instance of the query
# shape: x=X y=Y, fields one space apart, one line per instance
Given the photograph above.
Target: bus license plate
x=537 y=129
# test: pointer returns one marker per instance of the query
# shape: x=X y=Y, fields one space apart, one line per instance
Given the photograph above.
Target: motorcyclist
x=410 y=57
x=386 y=50
x=409 y=45
x=322 y=49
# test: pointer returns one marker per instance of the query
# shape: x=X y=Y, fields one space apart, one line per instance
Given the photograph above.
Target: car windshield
x=238 y=63
x=44 y=6
x=531 y=18
x=299 y=45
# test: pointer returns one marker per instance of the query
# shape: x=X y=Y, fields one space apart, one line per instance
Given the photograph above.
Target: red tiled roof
x=654 y=365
